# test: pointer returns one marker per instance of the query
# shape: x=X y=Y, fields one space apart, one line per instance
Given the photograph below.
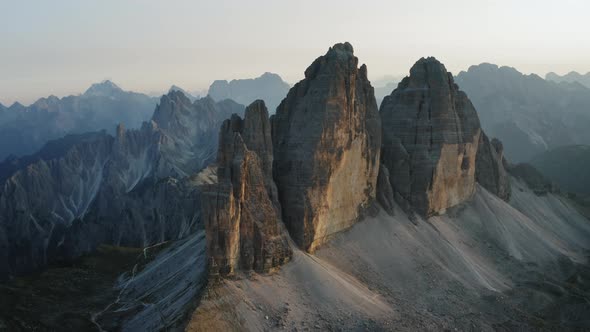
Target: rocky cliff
x=431 y=133
x=490 y=169
x=65 y=201
x=326 y=138
x=240 y=211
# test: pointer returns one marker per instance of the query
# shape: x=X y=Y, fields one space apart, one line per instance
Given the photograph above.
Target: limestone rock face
x=241 y=214
x=431 y=133
x=326 y=139
x=133 y=189
x=490 y=171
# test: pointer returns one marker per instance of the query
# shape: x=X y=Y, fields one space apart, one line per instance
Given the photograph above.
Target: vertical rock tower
x=431 y=133
x=490 y=171
x=241 y=211
x=326 y=139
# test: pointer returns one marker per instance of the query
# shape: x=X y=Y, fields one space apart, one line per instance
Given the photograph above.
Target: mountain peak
x=186 y=93
x=176 y=88
x=342 y=47
x=104 y=88
x=16 y=106
x=420 y=147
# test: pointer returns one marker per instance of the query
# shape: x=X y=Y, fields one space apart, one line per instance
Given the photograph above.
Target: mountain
x=241 y=211
x=81 y=191
x=527 y=113
x=566 y=166
x=484 y=251
x=326 y=135
x=104 y=89
x=430 y=139
x=570 y=78
x=188 y=95
x=269 y=87
x=330 y=214
x=24 y=130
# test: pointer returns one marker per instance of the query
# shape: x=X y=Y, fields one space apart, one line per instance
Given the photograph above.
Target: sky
x=61 y=47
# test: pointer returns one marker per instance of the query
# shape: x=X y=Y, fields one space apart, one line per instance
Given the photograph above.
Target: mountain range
x=570 y=77
x=332 y=213
x=528 y=114
x=269 y=87
x=80 y=191
x=24 y=130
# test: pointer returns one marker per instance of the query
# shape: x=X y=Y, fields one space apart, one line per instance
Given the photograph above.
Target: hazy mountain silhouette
x=269 y=87
x=527 y=113
x=23 y=130
x=570 y=77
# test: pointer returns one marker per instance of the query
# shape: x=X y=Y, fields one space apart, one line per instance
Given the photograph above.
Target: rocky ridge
x=529 y=114
x=95 y=191
x=24 y=130
x=241 y=211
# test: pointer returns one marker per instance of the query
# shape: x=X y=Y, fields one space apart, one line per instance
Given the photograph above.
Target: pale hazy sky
x=62 y=46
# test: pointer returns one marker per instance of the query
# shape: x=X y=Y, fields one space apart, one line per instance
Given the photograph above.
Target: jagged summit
x=326 y=136
x=345 y=49
x=186 y=93
x=241 y=211
x=176 y=88
x=104 y=88
x=430 y=138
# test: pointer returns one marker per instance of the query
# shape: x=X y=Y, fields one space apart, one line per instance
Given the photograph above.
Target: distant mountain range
x=25 y=129
x=528 y=114
x=570 y=77
x=269 y=87
x=133 y=188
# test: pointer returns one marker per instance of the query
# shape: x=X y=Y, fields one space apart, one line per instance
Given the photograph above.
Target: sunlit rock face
x=431 y=133
x=326 y=139
x=241 y=211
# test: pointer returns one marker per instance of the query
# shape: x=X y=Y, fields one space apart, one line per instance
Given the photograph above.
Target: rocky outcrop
x=191 y=131
x=490 y=171
x=326 y=139
x=241 y=214
x=134 y=189
x=431 y=133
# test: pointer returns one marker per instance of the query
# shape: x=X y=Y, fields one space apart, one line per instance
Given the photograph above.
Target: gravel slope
x=486 y=265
